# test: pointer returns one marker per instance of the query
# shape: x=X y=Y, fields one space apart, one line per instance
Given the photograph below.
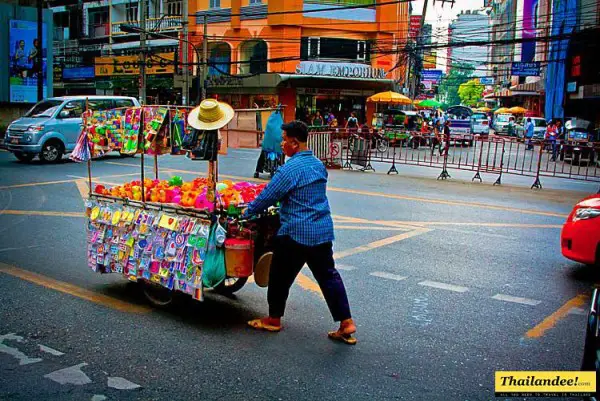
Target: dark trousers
x=260 y=164
x=288 y=259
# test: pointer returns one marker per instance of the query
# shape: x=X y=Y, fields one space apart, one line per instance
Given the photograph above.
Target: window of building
x=215 y=4
x=131 y=11
x=334 y=49
x=255 y=1
x=174 y=7
x=253 y=55
x=219 y=59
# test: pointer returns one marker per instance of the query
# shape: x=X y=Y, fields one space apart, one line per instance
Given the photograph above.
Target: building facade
x=94 y=56
x=469 y=26
x=308 y=55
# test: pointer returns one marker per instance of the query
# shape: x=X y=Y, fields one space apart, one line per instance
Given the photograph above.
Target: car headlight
x=586 y=213
x=34 y=129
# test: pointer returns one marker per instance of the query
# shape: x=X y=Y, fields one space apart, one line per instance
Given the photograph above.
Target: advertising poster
x=25 y=68
x=529 y=30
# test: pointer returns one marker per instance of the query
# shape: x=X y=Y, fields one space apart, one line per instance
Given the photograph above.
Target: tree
x=470 y=92
x=459 y=74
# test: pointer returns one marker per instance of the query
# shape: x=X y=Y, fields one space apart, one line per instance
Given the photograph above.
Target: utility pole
x=204 y=56
x=143 y=11
x=40 y=49
x=185 y=55
x=414 y=83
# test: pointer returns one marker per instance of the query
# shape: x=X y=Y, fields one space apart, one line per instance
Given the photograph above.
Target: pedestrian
x=529 y=128
x=511 y=126
x=330 y=118
x=317 y=121
x=352 y=121
x=446 y=147
x=551 y=137
x=306 y=234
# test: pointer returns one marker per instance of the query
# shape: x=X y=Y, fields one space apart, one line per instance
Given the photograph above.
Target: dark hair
x=296 y=129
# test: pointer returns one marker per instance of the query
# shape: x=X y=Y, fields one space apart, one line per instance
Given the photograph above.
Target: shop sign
x=525 y=69
x=224 y=80
x=432 y=75
x=572 y=87
x=486 y=80
x=343 y=70
x=161 y=63
x=78 y=72
x=415 y=26
x=333 y=92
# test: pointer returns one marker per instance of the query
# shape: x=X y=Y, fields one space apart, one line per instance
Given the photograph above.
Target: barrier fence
x=361 y=148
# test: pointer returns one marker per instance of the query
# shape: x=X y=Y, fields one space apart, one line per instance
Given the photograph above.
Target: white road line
x=345 y=267
x=71 y=375
x=578 y=311
x=122 y=384
x=517 y=300
x=390 y=276
x=443 y=286
x=50 y=350
x=5 y=349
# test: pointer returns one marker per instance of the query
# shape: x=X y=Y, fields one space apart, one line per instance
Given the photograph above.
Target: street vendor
x=306 y=234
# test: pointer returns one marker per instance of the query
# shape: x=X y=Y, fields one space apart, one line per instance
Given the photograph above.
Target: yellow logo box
x=544 y=383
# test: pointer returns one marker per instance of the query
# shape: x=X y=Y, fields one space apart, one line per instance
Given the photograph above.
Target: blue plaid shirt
x=300 y=185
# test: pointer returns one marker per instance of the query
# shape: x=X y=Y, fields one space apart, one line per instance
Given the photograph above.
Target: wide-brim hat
x=210 y=115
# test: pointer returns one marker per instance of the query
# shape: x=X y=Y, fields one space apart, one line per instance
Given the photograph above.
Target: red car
x=580 y=236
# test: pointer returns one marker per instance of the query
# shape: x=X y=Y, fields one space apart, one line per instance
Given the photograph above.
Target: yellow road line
x=35 y=184
x=41 y=213
x=551 y=321
x=73 y=290
x=308 y=284
x=470 y=224
x=371 y=228
x=446 y=202
x=83 y=188
x=379 y=243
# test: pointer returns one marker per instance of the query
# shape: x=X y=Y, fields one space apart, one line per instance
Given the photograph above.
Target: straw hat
x=210 y=115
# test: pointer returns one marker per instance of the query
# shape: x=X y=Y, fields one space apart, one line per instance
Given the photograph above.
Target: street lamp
x=128 y=28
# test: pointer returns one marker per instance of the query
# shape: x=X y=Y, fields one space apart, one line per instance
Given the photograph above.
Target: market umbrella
x=502 y=110
x=483 y=109
x=429 y=103
x=389 y=97
x=517 y=110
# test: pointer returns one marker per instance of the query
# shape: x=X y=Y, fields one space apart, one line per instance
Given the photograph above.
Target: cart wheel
x=158 y=295
x=231 y=285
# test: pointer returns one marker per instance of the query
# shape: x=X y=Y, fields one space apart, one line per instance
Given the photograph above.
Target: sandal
x=260 y=324
x=345 y=338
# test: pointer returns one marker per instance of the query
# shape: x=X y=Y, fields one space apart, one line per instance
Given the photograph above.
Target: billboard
x=161 y=63
x=25 y=67
x=529 y=30
x=430 y=60
x=525 y=69
x=432 y=75
x=414 y=27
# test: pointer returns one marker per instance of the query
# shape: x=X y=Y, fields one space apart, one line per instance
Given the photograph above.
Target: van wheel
x=52 y=151
x=24 y=157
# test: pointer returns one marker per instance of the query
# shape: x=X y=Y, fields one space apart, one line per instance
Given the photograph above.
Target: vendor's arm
x=281 y=184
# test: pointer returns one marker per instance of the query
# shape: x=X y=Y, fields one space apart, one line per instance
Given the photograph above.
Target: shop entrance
x=341 y=106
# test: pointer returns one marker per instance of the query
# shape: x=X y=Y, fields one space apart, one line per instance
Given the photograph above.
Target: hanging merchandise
x=214 y=268
x=131 y=130
x=154 y=124
x=104 y=130
x=179 y=129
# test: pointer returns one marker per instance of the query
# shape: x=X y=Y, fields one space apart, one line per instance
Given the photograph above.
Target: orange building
x=309 y=55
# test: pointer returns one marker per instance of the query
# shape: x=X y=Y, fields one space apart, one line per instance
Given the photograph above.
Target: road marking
x=71 y=375
x=578 y=311
x=84 y=189
x=23 y=359
x=390 y=276
x=20 y=248
x=443 y=286
x=371 y=228
x=551 y=321
x=472 y=224
x=51 y=351
x=35 y=184
x=308 y=284
x=344 y=267
x=99 y=397
x=517 y=300
x=122 y=384
x=73 y=290
x=379 y=243
x=42 y=213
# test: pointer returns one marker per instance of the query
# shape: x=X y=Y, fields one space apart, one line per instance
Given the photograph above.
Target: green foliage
x=470 y=92
x=448 y=89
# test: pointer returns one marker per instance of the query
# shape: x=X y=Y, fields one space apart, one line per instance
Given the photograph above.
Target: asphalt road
x=448 y=281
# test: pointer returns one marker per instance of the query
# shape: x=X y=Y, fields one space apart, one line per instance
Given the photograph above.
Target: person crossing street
x=306 y=234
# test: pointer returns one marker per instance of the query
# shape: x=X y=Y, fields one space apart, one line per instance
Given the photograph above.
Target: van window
x=123 y=103
x=75 y=108
x=100 y=104
x=45 y=108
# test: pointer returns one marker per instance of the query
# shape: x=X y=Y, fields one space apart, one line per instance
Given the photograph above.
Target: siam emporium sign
x=342 y=70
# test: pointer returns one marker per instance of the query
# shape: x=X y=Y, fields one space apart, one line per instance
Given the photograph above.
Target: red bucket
x=239 y=257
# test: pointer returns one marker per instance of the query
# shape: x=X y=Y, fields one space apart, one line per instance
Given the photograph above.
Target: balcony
x=98 y=30
x=166 y=24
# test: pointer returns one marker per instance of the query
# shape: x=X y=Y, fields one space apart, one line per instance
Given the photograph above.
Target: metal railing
x=364 y=148
x=152 y=24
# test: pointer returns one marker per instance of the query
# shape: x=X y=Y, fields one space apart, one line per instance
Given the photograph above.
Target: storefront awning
x=528 y=89
x=268 y=82
x=149 y=43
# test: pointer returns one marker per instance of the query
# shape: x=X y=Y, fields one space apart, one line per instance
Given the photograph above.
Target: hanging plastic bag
x=273 y=133
x=213 y=272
